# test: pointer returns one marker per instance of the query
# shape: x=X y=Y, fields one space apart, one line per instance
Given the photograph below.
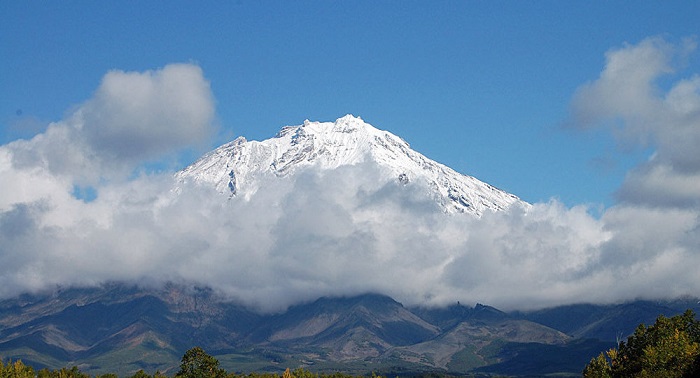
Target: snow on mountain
x=235 y=168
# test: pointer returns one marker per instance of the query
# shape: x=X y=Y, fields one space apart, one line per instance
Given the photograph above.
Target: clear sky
x=481 y=86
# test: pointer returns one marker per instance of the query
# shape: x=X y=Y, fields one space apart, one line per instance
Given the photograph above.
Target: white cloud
x=345 y=231
x=658 y=184
x=625 y=90
x=133 y=118
x=627 y=95
x=136 y=116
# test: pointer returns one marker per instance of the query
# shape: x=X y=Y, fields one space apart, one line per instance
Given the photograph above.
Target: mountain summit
x=236 y=167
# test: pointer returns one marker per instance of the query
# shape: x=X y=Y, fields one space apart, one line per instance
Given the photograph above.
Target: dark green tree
x=196 y=363
x=670 y=348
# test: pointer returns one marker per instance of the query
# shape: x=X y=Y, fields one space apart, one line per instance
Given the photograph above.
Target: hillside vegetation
x=669 y=348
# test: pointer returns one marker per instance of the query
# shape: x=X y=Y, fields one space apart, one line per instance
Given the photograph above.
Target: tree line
x=195 y=363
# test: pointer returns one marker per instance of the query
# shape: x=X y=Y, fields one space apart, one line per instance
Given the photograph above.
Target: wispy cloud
x=628 y=98
x=349 y=230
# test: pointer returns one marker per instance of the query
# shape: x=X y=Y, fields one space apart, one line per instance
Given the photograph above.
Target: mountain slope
x=119 y=328
x=236 y=168
x=348 y=328
x=470 y=336
x=608 y=322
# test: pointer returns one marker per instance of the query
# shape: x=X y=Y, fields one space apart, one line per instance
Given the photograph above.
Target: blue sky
x=480 y=86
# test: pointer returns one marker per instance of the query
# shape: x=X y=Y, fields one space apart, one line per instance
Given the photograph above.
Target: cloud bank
x=348 y=231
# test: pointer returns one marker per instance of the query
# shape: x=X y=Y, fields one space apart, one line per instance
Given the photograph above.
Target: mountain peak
x=236 y=168
x=348 y=131
x=346 y=124
x=350 y=123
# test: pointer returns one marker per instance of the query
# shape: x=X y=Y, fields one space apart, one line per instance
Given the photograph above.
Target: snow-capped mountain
x=235 y=167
